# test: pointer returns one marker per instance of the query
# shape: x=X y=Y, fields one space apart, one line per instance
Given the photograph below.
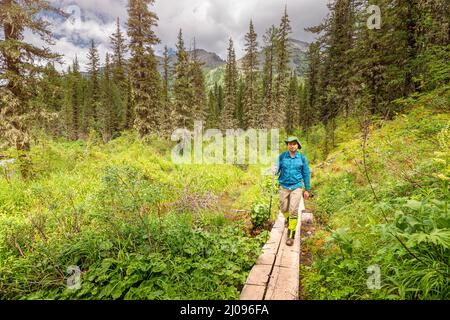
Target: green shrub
x=260 y=214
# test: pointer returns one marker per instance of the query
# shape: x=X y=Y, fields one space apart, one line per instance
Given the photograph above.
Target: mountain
x=209 y=60
x=212 y=61
x=213 y=65
x=298 y=61
x=299 y=57
x=298 y=53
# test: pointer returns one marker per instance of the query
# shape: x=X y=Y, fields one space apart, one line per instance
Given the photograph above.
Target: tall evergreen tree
x=251 y=110
x=282 y=69
x=383 y=70
x=292 y=104
x=212 y=116
x=94 y=86
x=167 y=112
x=268 y=112
x=302 y=102
x=166 y=76
x=118 y=58
x=111 y=103
x=432 y=37
x=218 y=90
x=312 y=84
x=337 y=64
x=227 y=119
x=119 y=71
x=143 y=67
x=129 y=111
x=240 y=102
x=182 y=89
x=18 y=71
x=74 y=101
x=50 y=97
x=198 y=86
x=107 y=111
x=215 y=103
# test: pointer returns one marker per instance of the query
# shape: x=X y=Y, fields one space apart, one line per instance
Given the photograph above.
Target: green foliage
x=116 y=220
x=260 y=214
x=404 y=229
x=214 y=76
x=191 y=264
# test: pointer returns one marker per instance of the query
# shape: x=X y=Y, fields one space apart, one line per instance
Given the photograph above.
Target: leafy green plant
x=115 y=220
x=260 y=214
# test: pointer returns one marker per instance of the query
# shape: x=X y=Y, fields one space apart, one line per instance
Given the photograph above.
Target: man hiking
x=293 y=169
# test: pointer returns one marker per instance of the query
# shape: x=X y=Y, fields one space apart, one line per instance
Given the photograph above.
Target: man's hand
x=306 y=195
x=274 y=170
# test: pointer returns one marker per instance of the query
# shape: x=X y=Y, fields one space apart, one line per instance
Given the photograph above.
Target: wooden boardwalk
x=275 y=276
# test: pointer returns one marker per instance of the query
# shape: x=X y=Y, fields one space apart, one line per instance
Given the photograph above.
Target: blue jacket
x=293 y=171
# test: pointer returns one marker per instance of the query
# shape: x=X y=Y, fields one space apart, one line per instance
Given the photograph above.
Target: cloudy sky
x=211 y=22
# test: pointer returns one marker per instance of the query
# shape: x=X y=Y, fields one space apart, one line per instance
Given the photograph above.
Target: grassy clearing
x=136 y=225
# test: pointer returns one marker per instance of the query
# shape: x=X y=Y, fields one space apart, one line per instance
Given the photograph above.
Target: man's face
x=292 y=146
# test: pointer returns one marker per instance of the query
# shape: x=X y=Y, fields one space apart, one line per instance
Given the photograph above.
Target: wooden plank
x=267 y=258
x=259 y=275
x=283 y=284
x=275 y=275
x=252 y=292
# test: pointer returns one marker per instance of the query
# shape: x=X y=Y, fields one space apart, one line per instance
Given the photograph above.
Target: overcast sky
x=211 y=22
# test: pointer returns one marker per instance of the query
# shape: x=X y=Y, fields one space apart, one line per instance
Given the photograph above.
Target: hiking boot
x=290 y=242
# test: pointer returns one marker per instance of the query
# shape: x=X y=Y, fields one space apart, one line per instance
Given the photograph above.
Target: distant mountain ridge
x=212 y=63
x=211 y=60
x=298 y=56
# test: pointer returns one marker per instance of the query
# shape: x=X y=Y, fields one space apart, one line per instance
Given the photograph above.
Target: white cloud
x=211 y=22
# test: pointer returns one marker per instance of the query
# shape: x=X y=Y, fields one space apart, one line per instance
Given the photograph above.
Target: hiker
x=293 y=169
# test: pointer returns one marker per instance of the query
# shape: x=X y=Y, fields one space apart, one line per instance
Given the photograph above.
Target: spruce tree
x=119 y=72
x=167 y=112
x=166 y=76
x=282 y=69
x=268 y=112
x=73 y=102
x=251 y=110
x=227 y=118
x=212 y=116
x=432 y=37
x=145 y=78
x=240 y=101
x=19 y=72
x=118 y=58
x=335 y=88
x=198 y=86
x=301 y=94
x=94 y=86
x=111 y=103
x=215 y=102
x=50 y=98
x=383 y=71
x=182 y=89
x=129 y=109
x=292 y=104
x=107 y=111
x=312 y=84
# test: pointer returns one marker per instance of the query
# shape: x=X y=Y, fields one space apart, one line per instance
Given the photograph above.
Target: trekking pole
x=271 y=193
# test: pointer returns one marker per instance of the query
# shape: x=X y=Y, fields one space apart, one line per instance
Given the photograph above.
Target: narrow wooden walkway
x=275 y=276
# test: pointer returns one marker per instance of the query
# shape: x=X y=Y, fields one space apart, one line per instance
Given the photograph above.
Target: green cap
x=292 y=139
